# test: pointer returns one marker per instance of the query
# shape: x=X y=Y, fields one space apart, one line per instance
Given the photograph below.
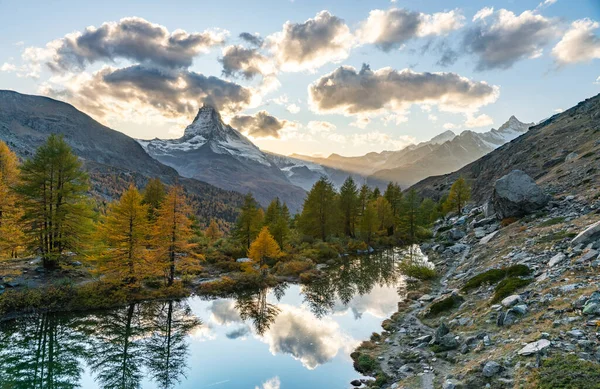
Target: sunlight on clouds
x=273 y=383
x=579 y=44
x=478 y=121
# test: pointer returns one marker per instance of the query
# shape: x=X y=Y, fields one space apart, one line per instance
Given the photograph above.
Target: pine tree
x=375 y=194
x=249 y=222
x=264 y=247
x=393 y=194
x=213 y=232
x=125 y=230
x=428 y=212
x=363 y=198
x=12 y=236
x=349 y=206
x=369 y=222
x=410 y=215
x=319 y=215
x=56 y=210
x=384 y=213
x=459 y=194
x=277 y=218
x=154 y=194
x=172 y=232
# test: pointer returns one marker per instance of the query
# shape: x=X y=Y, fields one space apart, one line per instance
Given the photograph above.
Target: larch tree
x=172 y=233
x=369 y=222
x=393 y=194
x=319 y=216
x=460 y=194
x=410 y=215
x=12 y=236
x=349 y=206
x=364 y=196
x=277 y=218
x=384 y=213
x=57 y=214
x=125 y=231
x=213 y=232
x=249 y=222
x=154 y=194
x=264 y=247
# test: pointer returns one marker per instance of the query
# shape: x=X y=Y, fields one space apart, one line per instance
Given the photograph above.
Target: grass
x=566 y=372
x=507 y=287
x=365 y=364
x=553 y=237
x=553 y=221
x=417 y=270
x=493 y=276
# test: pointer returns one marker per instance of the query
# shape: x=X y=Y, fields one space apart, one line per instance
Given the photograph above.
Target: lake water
x=289 y=337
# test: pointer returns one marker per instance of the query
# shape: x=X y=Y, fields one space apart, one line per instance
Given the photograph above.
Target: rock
x=590 y=233
x=479 y=232
x=424 y=339
x=486 y=239
x=578 y=334
x=592 y=308
x=76 y=263
x=355 y=383
x=520 y=309
x=511 y=300
x=484 y=222
x=558 y=258
x=516 y=195
x=441 y=331
x=427 y=298
x=488 y=209
x=491 y=368
x=589 y=255
x=571 y=156
x=12 y=284
x=243 y=260
x=458 y=248
x=510 y=318
x=534 y=347
x=456 y=234
x=448 y=342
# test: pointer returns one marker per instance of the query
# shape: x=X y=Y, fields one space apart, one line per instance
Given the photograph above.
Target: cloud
x=508 y=38
x=293 y=108
x=241 y=332
x=273 y=383
x=8 y=67
x=478 y=121
x=312 y=44
x=379 y=138
x=320 y=127
x=366 y=92
x=253 y=39
x=450 y=126
x=260 y=125
x=223 y=312
x=170 y=93
x=579 y=44
x=131 y=38
x=390 y=29
x=237 y=60
x=312 y=341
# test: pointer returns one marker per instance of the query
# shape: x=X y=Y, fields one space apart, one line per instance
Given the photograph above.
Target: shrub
x=445 y=305
x=508 y=221
x=507 y=286
x=293 y=268
x=567 y=372
x=325 y=251
x=365 y=364
x=417 y=270
x=494 y=275
x=355 y=245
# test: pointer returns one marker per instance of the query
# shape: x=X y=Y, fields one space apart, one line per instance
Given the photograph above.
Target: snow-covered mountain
x=213 y=151
x=410 y=166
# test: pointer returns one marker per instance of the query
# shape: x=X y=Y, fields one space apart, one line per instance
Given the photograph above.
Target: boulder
x=511 y=300
x=516 y=195
x=534 y=347
x=591 y=233
x=491 y=368
x=488 y=209
x=558 y=258
x=486 y=239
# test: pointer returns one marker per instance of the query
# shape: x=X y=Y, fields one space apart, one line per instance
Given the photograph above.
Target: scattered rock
x=491 y=368
x=511 y=300
x=590 y=233
x=488 y=238
x=534 y=347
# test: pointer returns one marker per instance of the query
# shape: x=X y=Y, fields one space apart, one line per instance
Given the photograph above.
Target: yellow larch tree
x=12 y=236
x=125 y=231
x=171 y=238
x=263 y=247
x=213 y=232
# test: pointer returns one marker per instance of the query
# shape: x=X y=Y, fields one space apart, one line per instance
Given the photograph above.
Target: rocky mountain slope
x=112 y=159
x=562 y=151
x=214 y=152
x=434 y=158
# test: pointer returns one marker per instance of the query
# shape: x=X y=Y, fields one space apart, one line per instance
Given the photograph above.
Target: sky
x=303 y=76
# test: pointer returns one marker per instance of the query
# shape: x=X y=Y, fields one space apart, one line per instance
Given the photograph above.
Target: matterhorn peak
x=207 y=123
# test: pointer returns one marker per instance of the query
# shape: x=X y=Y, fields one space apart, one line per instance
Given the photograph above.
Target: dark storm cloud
x=247 y=63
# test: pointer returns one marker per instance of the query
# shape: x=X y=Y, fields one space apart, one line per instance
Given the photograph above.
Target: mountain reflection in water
x=238 y=342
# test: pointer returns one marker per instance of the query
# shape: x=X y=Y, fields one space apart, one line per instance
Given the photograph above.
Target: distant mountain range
x=442 y=154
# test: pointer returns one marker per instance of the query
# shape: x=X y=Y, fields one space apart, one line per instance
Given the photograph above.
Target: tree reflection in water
x=48 y=350
x=255 y=308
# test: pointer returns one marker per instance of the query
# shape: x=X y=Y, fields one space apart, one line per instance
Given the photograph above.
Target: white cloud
x=319 y=127
x=273 y=383
x=482 y=120
x=374 y=138
x=483 y=13
x=293 y=108
x=450 y=126
x=432 y=118
x=390 y=29
x=361 y=122
x=579 y=44
x=312 y=44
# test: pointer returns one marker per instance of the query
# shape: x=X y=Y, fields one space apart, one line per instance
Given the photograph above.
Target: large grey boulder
x=516 y=195
x=591 y=233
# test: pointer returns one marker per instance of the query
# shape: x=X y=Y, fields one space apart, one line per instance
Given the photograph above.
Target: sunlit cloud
x=579 y=44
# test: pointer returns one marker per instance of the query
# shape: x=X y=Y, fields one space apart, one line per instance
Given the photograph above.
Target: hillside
x=560 y=153
x=112 y=159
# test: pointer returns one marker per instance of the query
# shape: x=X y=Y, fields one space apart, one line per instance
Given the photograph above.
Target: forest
x=148 y=243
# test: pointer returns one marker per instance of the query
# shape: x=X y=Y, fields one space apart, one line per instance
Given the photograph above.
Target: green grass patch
x=417 y=270
x=553 y=237
x=553 y=221
x=365 y=364
x=493 y=276
x=507 y=287
x=567 y=372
